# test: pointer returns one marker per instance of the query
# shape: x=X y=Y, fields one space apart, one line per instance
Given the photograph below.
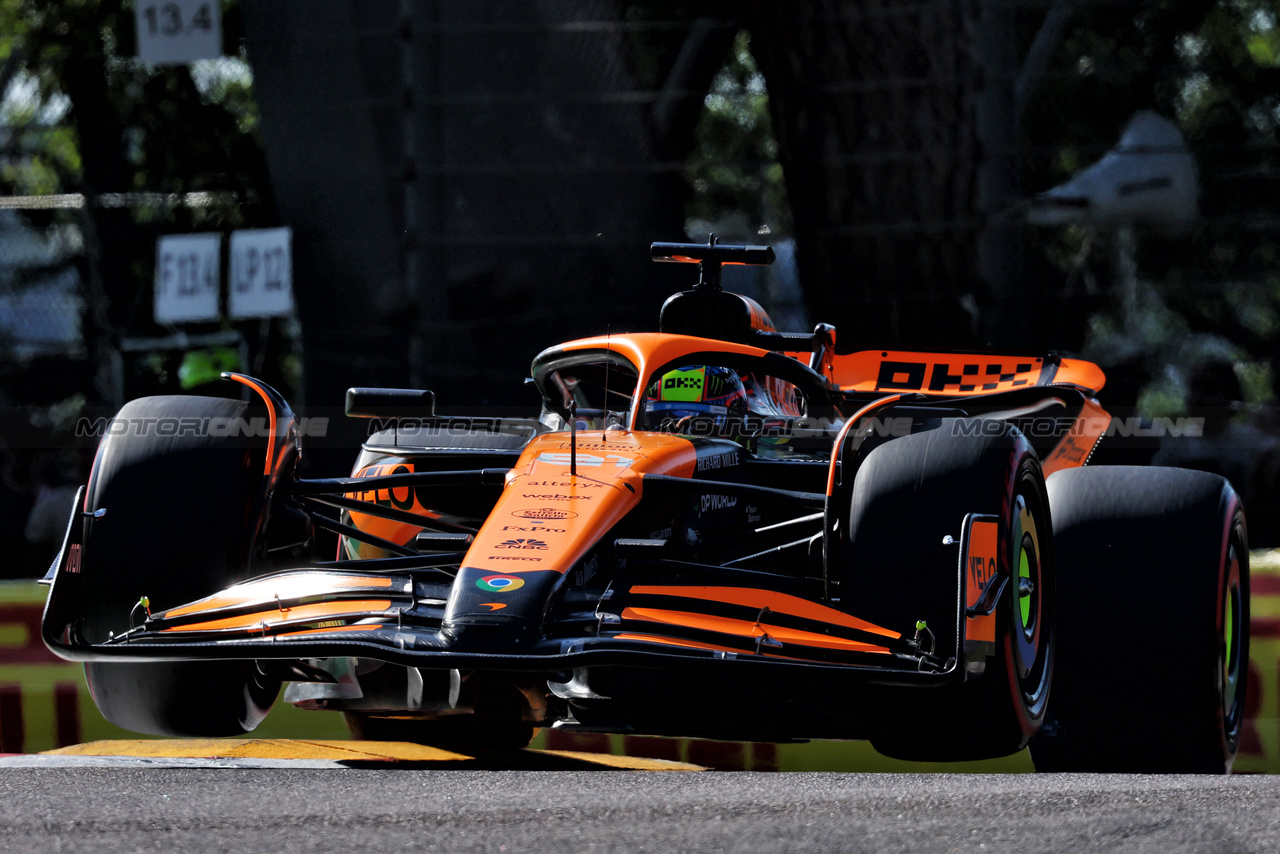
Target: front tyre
x=910 y=494
x=183 y=698
x=181 y=509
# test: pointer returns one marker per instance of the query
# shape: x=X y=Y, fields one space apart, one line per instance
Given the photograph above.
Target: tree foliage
x=84 y=115
x=733 y=169
x=1212 y=294
x=1212 y=65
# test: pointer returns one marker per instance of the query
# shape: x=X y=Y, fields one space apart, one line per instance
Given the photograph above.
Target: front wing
x=402 y=617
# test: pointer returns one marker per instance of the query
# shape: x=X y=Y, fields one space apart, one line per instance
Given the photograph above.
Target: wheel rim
x=1232 y=645
x=1026 y=596
x=1030 y=634
x=1027 y=591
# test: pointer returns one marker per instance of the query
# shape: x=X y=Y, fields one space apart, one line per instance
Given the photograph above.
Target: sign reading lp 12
x=175 y=32
x=188 y=271
x=261 y=273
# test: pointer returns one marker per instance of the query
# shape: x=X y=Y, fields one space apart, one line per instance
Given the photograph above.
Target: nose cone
x=497 y=610
x=560 y=500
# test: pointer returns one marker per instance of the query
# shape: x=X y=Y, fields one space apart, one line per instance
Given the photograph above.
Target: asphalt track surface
x=95 y=809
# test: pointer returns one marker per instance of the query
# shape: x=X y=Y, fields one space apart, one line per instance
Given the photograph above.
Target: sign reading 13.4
x=175 y=32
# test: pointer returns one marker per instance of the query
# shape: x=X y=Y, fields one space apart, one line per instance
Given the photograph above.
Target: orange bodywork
x=768 y=602
x=321 y=599
x=956 y=374
x=775 y=602
x=266 y=620
x=1074 y=449
x=284 y=588
x=548 y=517
x=746 y=629
x=563 y=495
x=401 y=498
x=980 y=562
x=649 y=351
x=271 y=415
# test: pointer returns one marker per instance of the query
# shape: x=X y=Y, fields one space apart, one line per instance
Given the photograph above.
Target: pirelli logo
x=956 y=375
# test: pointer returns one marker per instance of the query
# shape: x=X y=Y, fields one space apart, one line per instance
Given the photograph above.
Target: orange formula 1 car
x=715 y=530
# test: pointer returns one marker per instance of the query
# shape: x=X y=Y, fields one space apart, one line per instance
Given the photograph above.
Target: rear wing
x=708 y=311
x=951 y=374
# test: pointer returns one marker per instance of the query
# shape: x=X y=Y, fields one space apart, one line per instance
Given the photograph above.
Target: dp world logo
x=500 y=583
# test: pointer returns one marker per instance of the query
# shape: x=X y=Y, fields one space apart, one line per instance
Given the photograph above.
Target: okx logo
x=522 y=544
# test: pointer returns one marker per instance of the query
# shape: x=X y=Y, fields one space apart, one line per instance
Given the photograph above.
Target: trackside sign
x=176 y=32
x=261 y=283
x=188 y=273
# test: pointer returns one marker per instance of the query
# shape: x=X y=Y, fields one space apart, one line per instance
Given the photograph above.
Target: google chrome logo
x=500 y=583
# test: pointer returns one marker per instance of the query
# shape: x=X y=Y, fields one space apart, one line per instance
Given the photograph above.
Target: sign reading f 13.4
x=261 y=273
x=175 y=32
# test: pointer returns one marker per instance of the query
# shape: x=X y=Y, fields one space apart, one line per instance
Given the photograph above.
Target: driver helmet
x=698 y=398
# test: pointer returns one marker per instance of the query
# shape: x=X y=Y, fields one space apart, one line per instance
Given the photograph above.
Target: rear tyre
x=181 y=511
x=1152 y=660
x=908 y=495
